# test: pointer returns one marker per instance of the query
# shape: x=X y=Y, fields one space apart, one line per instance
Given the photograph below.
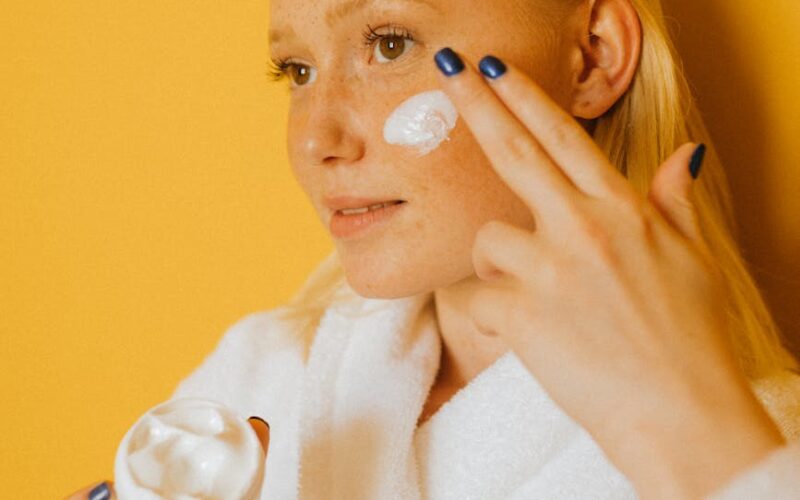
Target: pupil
x=301 y=75
x=392 y=47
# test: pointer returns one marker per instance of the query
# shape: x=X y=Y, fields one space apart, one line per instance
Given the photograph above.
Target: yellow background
x=146 y=203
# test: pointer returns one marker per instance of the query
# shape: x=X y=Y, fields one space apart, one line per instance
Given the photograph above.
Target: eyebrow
x=344 y=9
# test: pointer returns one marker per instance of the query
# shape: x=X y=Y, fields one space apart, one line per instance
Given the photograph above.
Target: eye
x=388 y=46
x=299 y=74
x=392 y=47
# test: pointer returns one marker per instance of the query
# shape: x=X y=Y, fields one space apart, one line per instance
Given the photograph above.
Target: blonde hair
x=655 y=116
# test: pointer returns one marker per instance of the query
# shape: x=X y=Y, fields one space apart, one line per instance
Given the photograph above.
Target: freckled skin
x=335 y=134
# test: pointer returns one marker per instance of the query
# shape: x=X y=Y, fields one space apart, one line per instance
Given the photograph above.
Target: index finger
x=564 y=139
x=515 y=154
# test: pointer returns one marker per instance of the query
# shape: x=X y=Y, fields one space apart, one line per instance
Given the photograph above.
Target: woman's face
x=343 y=89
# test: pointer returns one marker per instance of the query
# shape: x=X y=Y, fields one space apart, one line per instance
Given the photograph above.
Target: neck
x=465 y=350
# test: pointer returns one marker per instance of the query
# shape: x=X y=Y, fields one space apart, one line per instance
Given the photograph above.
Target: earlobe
x=609 y=47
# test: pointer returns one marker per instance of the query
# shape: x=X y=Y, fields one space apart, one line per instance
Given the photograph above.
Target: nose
x=332 y=131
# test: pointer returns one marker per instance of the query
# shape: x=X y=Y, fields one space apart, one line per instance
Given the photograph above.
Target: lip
x=349 y=226
x=336 y=203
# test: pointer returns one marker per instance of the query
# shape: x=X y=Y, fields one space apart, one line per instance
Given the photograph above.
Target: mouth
x=369 y=208
x=349 y=223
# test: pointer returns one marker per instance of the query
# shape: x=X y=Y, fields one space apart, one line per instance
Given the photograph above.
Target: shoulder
x=256 y=334
x=780 y=395
x=265 y=351
x=247 y=356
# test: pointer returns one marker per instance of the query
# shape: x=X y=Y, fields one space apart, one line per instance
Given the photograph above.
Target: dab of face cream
x=422 y=121
x=189 y=448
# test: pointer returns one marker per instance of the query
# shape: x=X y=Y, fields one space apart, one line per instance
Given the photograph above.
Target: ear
x=607 y=52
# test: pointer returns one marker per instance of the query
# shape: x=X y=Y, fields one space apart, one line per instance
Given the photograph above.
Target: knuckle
x=682 y=202
x=488 y=232
x=598 y=238
x=636 y=216
x=574 y=208
x=518 y=147
x=561 y=132
x=481 y=247
x=589 y=228
x=643 y=220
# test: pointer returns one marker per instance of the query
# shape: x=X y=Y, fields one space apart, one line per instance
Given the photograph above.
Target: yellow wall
x=743 y=58
x=146 y=203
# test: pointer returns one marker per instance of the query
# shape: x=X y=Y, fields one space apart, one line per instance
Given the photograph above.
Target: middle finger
x=560 y=135
x=514 y=153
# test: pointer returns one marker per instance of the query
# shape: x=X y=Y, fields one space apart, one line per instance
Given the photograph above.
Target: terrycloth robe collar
x=369 y=371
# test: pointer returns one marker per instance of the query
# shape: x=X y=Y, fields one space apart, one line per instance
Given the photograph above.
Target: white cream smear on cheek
x=421 y=122
x=189 y=449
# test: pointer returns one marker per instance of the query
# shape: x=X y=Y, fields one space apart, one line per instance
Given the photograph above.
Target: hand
x=105 y=490
x=614 y=303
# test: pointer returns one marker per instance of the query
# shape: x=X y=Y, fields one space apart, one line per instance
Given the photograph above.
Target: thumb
x=671 y=189
x=262 y=431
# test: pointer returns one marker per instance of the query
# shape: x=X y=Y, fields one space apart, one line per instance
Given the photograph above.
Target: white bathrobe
x=343 y=422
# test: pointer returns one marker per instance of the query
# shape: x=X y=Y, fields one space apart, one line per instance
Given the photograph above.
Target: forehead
x=333 y=9
x=330 y=12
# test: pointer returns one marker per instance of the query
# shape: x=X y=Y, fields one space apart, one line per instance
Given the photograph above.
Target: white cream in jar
x=189 y=449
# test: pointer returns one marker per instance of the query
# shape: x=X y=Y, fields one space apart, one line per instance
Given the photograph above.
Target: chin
x=385 y=284
x=383 y=275
x=382 y=280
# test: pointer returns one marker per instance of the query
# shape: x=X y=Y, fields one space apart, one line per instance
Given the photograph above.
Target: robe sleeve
x=776 y=477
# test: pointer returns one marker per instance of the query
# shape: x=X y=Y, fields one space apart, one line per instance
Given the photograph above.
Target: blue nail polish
x=492 y=67
x=697 y=160
x=448 y=62
x=100 y=492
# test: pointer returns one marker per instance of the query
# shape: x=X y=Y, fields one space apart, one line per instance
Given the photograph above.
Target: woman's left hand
x=614 y=302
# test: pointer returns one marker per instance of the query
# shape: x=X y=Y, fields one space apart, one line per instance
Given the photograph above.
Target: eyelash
x=279 y=67
x=371 y=36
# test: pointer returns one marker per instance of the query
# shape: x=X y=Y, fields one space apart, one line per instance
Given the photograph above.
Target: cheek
x=421 y=122
x=302 y=170
x=468 y=189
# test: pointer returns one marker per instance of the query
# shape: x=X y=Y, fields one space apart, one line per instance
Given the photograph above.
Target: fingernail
x=697 y=160
x=100 y=492
x=448 y=62
x=492 y=67
x=260 y=419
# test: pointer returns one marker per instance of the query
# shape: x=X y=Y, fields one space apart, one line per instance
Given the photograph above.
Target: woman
x=544 y=301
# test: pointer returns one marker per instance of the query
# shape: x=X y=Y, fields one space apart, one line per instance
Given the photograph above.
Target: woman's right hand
x=105 y=489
